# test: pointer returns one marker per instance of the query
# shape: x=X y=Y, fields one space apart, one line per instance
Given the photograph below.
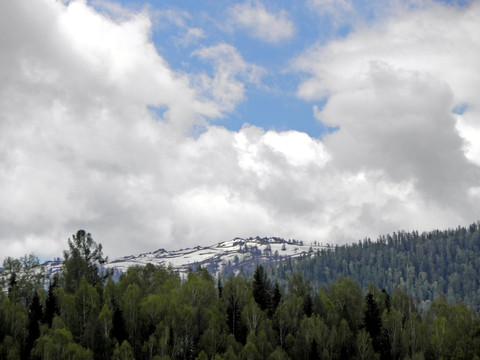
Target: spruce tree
x=51 y=303
x=261 y=288
x=35 y=313
x=276 y=298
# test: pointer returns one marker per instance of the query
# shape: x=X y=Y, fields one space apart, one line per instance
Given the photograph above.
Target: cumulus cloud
x=95 y=133
x=78 y=146
x=260 y=23
x=391 y=90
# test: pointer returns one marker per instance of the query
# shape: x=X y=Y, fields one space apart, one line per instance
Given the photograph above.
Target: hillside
x=425 y=264
x=234 y=256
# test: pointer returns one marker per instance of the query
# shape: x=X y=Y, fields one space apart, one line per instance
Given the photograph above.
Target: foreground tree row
x=153 y=313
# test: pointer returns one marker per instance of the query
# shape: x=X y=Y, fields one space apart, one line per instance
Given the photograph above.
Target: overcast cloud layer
x=98 y=131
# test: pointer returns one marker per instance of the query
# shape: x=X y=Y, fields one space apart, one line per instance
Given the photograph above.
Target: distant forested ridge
x=425 y=264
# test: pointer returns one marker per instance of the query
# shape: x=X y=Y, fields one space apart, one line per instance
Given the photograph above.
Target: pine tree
x=51 y=303
x=82 y=260
x=118 y=325
x=35 y=313
x=261 y=288
x=373 y=321
x=276 y=298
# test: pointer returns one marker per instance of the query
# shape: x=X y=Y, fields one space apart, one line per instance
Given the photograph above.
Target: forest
x=426 y=265
x=154 y=313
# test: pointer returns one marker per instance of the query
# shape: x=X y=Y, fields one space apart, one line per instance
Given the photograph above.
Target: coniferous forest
x=154 y=313
x=426 y=265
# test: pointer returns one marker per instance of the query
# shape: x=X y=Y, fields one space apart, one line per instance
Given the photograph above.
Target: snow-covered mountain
x=229 y=256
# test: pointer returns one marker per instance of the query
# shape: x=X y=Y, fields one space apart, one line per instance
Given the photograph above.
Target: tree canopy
x=82 y=260
x=154 y=313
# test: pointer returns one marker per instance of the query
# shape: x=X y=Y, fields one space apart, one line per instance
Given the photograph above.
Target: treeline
x=152 y=313
x=427 y=265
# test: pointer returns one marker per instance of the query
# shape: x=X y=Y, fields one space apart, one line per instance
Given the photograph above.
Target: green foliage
x=235 y=296
x=424 y=264
x=249 y=351
x=82 y=261
x=51 y=304
x=21 y=278
x=35 y=314
x=123 y=352
x=190 y=321
x=58 y=343
x=152 y=313
x=261 y=289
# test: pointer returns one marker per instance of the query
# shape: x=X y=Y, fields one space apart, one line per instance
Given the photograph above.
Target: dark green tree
x=35 y=313
x=261 y=288
x=372 y=319
x=235 y=296
x=308 y=305
x=83 y=260
x=12 y=285
x=276 y=298
x=51 y=307
x=313 y=354
x=119 y=331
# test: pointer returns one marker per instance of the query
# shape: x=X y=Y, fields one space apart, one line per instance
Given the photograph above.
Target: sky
x=171 y=124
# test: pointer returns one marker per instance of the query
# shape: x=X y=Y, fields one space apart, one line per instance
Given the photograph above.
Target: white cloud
x=172 y=16
x=231 y=71
x=343 y=12
x=192 y=35
x=351 y=14
x=391 y=90
x=262 y=24
x=81 y=145
x=331 y=7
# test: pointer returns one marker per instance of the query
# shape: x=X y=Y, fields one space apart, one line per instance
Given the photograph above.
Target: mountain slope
x=426 y=265
x=226 y=257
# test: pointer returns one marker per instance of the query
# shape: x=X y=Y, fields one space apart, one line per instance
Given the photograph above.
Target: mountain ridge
x=231 y=256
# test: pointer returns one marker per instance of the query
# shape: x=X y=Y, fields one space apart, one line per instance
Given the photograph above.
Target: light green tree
x=123 y=352
x=131 y=312
x=364 y=347
x=252 y=315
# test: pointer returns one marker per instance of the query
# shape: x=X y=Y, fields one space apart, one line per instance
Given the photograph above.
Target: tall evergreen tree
x=276 y=298
x=51 y=308
x=373 y=321
x=261 y=288
x=12 y=285
x=235 y=296
x=35 y=313
x=82 y=260
x=119 y=331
